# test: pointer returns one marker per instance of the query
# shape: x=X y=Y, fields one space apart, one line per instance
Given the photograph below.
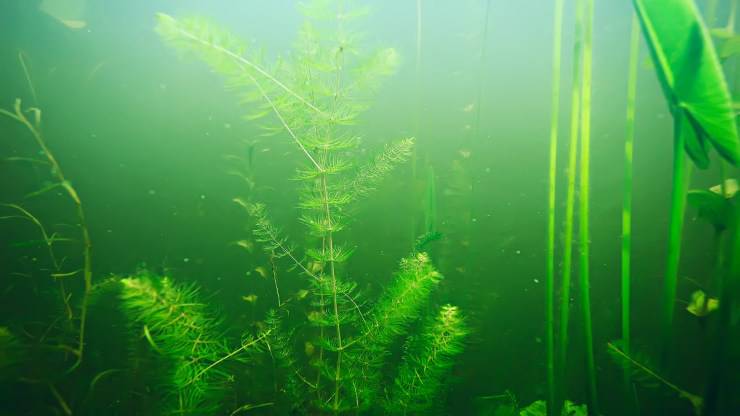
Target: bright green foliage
x=691 y=75
x=400 y=305
x=539 y=408
x=427 y=362
x=314 y=99
x=173 y=322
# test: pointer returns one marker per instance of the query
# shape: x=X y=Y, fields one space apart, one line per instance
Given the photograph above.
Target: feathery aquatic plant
x=314 y=99
x=426 y=363
x=181 y=333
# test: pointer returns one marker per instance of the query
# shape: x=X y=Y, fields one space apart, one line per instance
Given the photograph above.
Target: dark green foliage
x=425 y=239
x=426 y=363
x=644 y=373
x=12 y=354
x=182 y=336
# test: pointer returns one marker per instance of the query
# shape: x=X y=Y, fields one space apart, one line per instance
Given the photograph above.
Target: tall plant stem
x=35 y=128
x=330 y=226
x=584 y=205
x=554 y=117
x=627 y=191
x=575 y=113
x=678 y=207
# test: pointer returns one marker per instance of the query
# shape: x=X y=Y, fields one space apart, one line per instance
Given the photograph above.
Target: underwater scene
x=347 y=207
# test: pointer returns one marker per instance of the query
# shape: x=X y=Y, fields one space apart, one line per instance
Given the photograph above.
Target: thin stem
x=229 y=355
x=627 y=191
x=678 y=207
x=240 y=59
x=285 y=124
x=584 y=205
x=575 y=113
x=554 y=117
x=274 y=278
x=35 y=129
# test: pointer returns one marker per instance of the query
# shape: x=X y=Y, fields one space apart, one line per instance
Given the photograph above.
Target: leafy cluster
x=178 y=330
x=427 y=361
x=315 y=99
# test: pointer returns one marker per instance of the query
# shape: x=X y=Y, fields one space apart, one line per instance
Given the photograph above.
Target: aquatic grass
x=572 y=170
x=583 y=214
x=694 y=86
x=627 y=190
x=550 y=280
x=33 y=125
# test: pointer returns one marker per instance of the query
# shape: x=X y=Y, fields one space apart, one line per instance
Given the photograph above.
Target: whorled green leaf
x=691 y=75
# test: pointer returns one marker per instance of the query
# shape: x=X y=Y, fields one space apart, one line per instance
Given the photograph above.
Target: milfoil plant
x=314 y=100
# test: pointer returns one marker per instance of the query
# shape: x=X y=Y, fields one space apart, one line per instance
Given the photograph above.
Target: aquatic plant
x=626 y=258
x=33 y=126
x=184 y=339
x=426 y=362
x=575 y=114
x=583 y=214
x=718 y=206
x=643 y=373
x=314 y=99
x=694 y=86
x=551 y=196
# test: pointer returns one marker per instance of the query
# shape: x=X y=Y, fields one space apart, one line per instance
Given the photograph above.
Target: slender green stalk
x=678 y=207
x=627 y=192
x=575 y=114
x=34 y=127
x=554 y=116
x=584 y=204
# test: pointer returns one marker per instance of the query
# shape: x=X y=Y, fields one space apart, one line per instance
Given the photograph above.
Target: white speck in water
x=186 y=260
x=152 y=192
x=518 y=252
x=202 y=196
x=536 y=280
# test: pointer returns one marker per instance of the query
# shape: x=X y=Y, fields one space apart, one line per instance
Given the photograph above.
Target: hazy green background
x=142 y=135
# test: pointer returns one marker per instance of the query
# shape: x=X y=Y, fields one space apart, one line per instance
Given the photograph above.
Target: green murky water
x=342 y=207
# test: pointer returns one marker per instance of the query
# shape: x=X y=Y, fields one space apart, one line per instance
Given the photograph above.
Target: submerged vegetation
x=336 y=330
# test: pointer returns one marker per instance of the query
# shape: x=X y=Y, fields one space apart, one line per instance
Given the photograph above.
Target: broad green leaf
x=710 y=206
x=730 y=47
x=691 y=76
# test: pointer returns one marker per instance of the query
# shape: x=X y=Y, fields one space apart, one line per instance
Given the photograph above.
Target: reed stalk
x=627 y=191
x=554 y=117
x=584 y=258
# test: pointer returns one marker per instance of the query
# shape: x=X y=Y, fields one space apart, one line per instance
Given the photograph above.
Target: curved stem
x=35 y=129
